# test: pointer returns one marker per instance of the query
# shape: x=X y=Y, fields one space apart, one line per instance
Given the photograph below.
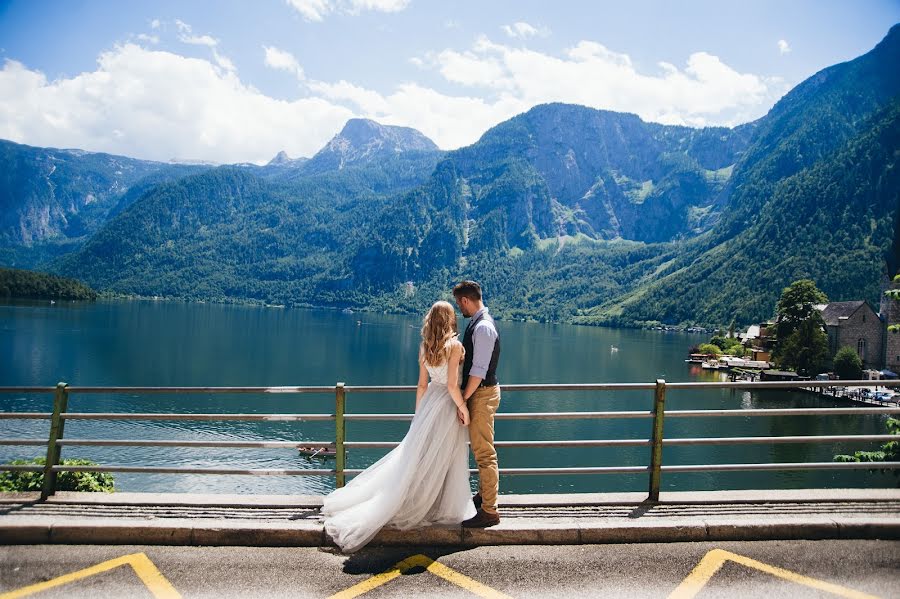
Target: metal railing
x=60 y=414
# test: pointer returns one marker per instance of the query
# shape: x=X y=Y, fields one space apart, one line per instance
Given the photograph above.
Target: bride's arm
x=422 y=385
x=453 y=382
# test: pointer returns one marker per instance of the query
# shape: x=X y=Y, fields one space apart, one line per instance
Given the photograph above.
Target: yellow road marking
x=715 y=559
x=152 y=578
x=422 y=561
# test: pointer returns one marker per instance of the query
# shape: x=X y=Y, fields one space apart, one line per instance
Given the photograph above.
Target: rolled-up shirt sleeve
x=483 y=338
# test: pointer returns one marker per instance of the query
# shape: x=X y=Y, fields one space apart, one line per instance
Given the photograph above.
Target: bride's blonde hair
x=438 y=328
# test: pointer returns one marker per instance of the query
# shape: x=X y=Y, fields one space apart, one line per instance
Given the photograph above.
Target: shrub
x=710 y=349
x=65 y=481
x=889 y=452
x=847 y=364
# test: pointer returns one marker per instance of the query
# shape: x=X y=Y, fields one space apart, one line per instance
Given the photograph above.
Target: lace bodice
x=438 y=374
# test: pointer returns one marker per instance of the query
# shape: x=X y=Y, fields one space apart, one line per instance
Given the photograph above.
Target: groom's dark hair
x=469 y=289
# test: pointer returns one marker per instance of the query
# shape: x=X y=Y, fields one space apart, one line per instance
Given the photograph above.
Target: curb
x=256 y=535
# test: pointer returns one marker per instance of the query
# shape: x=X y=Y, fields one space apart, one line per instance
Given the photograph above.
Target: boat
x=713 y=365
x=318 y=452
x=347 y=311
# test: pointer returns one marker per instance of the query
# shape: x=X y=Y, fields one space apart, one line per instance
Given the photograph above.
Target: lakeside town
x=814 y=340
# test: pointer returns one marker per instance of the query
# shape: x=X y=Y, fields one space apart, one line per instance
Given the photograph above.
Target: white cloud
x=283 y=61
x=312 y=10
x=317 y=10
x=159 y=105
x=522 y=30
x=783 y=46
x=705 y=91
x=199 y=40
x=150 y=39
x=378 y=5
x=155 y=104
x=155 y=24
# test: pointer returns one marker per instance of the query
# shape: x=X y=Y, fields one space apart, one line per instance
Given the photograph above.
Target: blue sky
x=239 y=81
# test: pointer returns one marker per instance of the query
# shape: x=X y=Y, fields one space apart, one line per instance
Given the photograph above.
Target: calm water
x=175 y=344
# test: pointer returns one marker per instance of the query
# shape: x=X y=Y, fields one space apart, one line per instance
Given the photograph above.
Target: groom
x=482 y=393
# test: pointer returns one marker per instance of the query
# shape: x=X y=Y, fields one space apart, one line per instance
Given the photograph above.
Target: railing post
x=57 y=424
x=339 y=433
x=659 y=406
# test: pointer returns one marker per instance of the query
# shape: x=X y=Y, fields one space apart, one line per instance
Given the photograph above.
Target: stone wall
x=863 y=324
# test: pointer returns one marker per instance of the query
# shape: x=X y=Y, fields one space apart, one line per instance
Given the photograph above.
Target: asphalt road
x=771 y=569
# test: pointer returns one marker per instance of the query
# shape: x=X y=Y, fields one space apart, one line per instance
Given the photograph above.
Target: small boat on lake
x=318 y=452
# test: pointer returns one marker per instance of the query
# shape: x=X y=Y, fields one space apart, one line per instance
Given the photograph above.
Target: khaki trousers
x=482 y=406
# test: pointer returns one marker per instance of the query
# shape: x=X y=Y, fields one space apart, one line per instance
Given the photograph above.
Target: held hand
x=462 y=414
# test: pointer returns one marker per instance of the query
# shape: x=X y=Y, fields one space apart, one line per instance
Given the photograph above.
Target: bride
x=425 y=479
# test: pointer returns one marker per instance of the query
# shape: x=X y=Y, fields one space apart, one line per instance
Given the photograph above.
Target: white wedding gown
x=422 y=481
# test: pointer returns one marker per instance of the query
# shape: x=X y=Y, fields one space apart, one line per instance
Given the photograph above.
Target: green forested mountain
x=24 y=284
x=50 y=200
x=834 y=222
x=564 y=213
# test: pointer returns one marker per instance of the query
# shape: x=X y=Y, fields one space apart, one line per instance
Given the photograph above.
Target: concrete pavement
x=733 y=569
x=276 y=521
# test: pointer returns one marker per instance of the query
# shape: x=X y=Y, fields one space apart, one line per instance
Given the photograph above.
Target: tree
x=709 y=349
x=796 y=305
x=847 y=364
x=806 y=349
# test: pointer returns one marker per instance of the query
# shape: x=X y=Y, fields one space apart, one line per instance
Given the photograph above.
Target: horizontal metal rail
x=784 y=466
x=165 y=416
x=25 y=442
x=176 y=470
x=179 y=443
x=21 y=468
x=518 y=416
x=780 y=412
x=509 y=388
x=25 y=415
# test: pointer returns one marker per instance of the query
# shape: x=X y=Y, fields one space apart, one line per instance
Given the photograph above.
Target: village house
x=758 y=341
x=855 y=324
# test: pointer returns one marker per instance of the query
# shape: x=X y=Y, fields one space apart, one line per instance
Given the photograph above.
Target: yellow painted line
x=715 y=559
x=420 y=561
x=152 y=578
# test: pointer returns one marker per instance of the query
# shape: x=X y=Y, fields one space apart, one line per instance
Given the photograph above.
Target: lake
x=146 y=343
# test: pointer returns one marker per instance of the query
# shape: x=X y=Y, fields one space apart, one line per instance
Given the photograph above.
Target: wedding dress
x=422 y=481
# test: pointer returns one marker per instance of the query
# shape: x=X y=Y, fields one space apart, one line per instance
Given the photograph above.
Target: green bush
x=889 y=452
x=847 y=364
x=96 y=482
x=710 y=349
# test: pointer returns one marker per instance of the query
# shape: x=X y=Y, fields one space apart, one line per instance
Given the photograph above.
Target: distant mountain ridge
x=564 y=213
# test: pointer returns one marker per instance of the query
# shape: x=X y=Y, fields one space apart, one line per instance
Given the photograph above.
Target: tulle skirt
x=422 y=481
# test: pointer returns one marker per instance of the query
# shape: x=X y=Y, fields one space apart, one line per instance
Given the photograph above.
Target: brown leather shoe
x=482 y=519
x=476 y=499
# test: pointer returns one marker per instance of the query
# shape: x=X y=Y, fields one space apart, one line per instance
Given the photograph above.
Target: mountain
x=50 y=199
x=815 y=196
x=362 y=141
x=564 y=213
x=557 y=171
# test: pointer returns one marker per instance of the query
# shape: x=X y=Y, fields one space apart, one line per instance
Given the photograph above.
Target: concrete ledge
x=279 y=521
